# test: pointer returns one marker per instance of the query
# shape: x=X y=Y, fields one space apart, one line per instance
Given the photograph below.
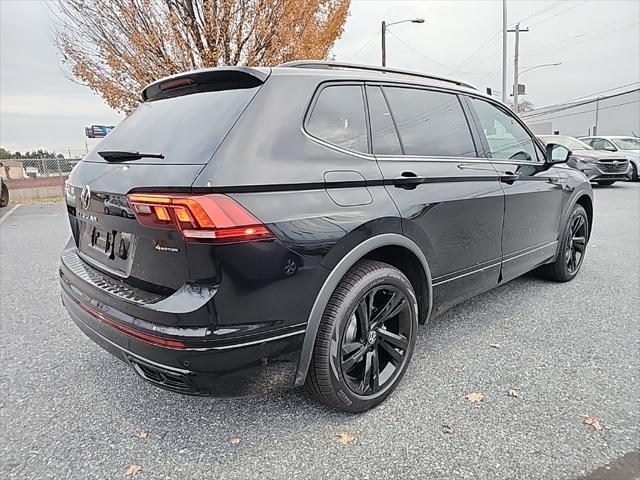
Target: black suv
x=295 y=224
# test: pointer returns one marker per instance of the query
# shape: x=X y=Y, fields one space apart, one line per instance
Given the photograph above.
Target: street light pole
x=384 y=35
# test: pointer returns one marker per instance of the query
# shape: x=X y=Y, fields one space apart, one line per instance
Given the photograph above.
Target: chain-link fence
x=35 y=178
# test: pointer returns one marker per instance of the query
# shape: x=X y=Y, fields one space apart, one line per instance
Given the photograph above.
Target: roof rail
x=354 y=66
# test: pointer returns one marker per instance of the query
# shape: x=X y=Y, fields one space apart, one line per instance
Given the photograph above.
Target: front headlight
x=583 y=161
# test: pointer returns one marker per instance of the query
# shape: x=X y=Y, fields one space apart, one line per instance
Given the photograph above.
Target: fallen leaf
x=133 y=470
x=514 y=392
x=142 y=434
x=474 y=397
x=494 y=345
x=234 y=440
x=593 y=422
x=345 y=437
x=448 y=429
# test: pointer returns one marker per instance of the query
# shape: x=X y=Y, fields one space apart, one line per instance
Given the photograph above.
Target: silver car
x=628 y=147
x=599 y=166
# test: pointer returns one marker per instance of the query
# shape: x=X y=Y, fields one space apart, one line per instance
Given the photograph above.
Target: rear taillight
x=208 y=218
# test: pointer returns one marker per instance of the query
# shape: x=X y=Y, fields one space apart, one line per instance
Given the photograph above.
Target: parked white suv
x=627 y=146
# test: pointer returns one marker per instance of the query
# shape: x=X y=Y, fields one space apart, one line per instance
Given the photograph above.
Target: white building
x=617 y=114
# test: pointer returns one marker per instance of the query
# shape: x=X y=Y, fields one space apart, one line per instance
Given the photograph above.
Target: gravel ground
x=70 y=410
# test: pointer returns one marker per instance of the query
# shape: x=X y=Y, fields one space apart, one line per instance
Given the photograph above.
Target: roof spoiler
x=205 y=80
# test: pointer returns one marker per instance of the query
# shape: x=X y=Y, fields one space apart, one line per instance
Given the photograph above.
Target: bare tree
x=523 y=106
x=116 y=47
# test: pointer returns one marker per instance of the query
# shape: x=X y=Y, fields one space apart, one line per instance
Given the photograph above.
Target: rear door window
x=383 y=131
x=430 y=123
x=338 y=117
x=186 y=129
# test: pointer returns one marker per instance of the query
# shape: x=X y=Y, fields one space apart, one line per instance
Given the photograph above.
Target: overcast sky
x=597 y=41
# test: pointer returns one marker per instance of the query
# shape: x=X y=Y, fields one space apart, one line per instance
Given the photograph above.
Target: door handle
x=509 y=178
x=407 y=181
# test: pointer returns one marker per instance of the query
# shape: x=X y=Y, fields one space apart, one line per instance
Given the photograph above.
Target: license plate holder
x=109 y=247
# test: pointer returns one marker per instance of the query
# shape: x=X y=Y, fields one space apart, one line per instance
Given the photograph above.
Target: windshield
x=569 y=142
x=627 y=143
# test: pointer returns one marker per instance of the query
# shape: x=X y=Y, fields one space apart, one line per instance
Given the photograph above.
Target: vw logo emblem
x=85 y=197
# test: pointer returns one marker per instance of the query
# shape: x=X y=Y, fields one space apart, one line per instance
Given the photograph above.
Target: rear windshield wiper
x=123 y=156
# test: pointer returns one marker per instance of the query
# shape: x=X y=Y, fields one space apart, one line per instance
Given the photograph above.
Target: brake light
x=209 y=218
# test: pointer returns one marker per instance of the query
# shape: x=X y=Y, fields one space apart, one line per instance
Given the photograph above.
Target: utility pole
x=595 y=127
x=515 y=65
x=384 y=44
x=504 y=51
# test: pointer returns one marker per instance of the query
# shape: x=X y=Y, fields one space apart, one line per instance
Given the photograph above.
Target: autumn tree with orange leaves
x=116 y=47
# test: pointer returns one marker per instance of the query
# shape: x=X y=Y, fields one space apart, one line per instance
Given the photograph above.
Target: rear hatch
x=161 y=148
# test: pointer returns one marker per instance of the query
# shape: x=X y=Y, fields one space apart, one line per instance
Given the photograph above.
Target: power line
x=561 y=43
x=366 y=44
x=429 y=59
x=485 y=45
x=559 y=13
x=591 y=95
x=573 y=104
x=497 y=34
x=587 y=111
x=539 y=12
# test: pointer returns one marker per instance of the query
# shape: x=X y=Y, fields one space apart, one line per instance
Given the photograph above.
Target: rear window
x=338 y=117
x=186 y=129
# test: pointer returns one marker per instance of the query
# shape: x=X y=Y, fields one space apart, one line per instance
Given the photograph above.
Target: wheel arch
x=586 y=203
x=392 y=248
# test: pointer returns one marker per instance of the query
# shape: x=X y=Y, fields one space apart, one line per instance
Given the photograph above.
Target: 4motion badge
x=164 y=248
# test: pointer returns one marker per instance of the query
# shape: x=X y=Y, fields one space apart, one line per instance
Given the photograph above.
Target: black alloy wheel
x=365 y=339
x=576 y=244
x=572 y=248
x=374 y=345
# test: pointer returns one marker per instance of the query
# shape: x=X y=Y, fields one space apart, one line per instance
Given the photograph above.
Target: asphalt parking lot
x=70 y=410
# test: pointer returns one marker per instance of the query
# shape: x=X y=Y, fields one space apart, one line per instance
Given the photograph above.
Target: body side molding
x=332 y=281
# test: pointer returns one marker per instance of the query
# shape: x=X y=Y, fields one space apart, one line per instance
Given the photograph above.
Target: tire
x=606 y=183
x=4 y=196
x=561 y=270
x=634 y=173
x=334 y=373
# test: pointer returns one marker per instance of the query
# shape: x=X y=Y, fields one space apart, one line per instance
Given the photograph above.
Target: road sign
x=97 y=131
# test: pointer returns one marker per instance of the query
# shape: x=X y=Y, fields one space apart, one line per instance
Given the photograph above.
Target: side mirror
x=557 y=153
x=610 y=148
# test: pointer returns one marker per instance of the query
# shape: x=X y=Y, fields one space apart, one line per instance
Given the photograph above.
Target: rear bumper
x=245 y=368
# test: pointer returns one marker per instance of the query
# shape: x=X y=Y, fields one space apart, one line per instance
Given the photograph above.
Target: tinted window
x=383 y=131
x=508 y=140
x=338 y=117
x=430 y=123
x=185 y=129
